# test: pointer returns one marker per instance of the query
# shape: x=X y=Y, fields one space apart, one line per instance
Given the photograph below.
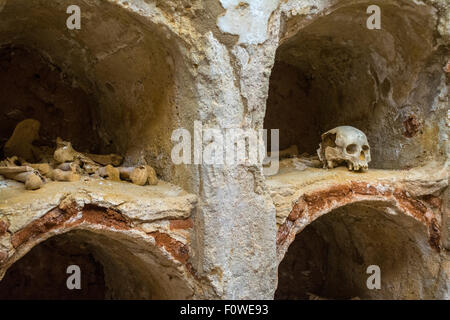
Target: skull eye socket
x=365 y=147
x=351 y=148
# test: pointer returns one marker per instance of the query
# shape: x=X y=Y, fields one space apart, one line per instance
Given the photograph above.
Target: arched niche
x=330 y=257
x=119 y=84
x=114 y=264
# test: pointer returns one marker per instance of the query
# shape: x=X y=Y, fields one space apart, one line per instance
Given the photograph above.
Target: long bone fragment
x=106 y=159
x=61 y=175
x=31 y=177
x=138 y=175
x=109 y=172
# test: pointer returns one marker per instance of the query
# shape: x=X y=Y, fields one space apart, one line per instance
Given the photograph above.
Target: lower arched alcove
x=41 y=274
x=114 y=85
x=329 y=258
x=112 y=266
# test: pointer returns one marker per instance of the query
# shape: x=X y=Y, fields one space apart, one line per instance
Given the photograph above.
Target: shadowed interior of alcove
x=110 y=268
x=41 y=274
x=33 y=88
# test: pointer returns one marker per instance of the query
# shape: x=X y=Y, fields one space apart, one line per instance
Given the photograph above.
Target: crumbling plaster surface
x=206 y=70
x=143 y=205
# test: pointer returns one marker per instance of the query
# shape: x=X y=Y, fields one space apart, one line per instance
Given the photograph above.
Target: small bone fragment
x=310 y=160
x=66 y=166
x=106 y=159
x=137 y=175
x=20 y=143
x=60 y=175
x=152 y=179
x=90 y=168
x=109 y=172
x=32 y=179
x=64 y=151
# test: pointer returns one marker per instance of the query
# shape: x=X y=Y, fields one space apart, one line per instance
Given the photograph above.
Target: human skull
x=344 y=145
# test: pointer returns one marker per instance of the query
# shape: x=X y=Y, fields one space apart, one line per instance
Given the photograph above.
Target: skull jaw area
x=334 y=157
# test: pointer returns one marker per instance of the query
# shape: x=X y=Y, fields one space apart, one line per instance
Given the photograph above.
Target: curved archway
x=391 y=197
x=330 y=257
x=117 y=260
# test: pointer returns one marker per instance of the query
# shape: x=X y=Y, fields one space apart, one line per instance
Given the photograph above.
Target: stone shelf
x=302 y=194
x=140 y=204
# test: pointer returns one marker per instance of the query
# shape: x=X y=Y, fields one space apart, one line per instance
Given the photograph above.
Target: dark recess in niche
x=41 y=273
x=32 y=87
x=330 y=256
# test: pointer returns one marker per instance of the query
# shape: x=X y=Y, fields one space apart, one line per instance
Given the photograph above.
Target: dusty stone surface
x=142 y=204
x=291 y=183
x=144 y=68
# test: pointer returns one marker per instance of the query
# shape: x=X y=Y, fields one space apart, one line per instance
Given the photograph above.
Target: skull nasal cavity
x=351 y=148
x=362 y=156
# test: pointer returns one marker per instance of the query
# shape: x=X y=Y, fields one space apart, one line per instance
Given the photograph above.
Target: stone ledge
x=138 y=204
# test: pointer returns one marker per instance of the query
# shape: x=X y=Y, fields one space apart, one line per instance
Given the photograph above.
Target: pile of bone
x=65 y=164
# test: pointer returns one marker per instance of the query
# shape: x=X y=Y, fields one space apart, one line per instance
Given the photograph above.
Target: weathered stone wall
x=301 y=66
